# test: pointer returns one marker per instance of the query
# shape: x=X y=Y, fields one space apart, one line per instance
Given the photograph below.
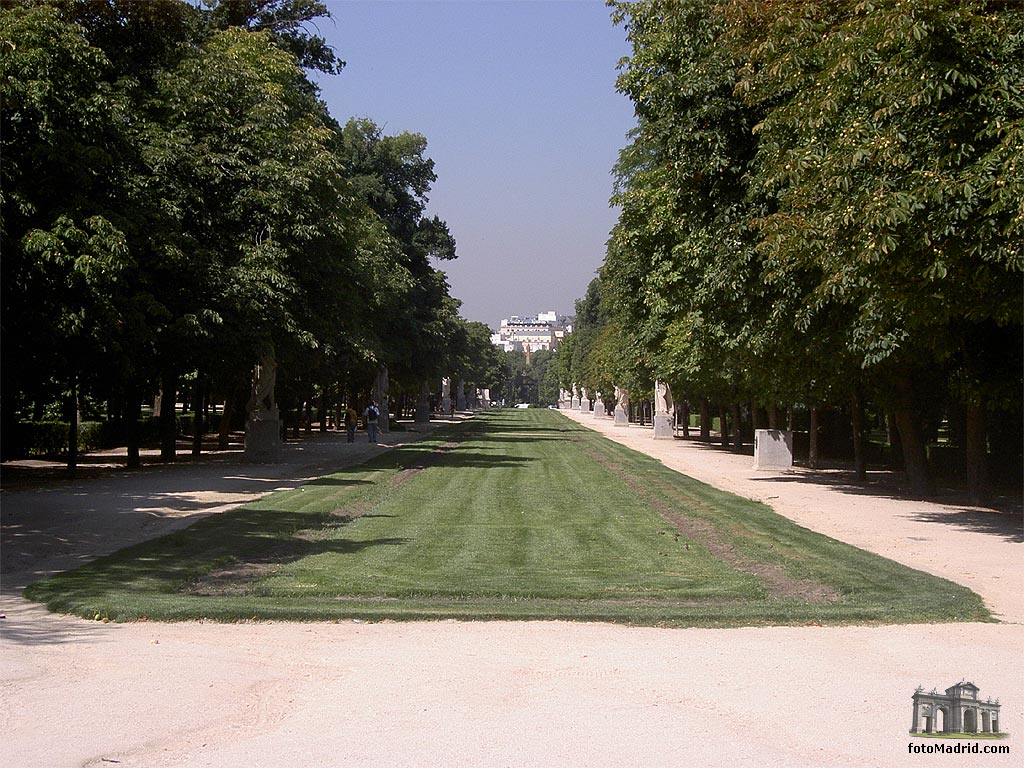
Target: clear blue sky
x=518 y=104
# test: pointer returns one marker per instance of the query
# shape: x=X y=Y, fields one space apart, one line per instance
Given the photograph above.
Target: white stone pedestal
x=621 y=417
x=663 y=427
x=773 y=449
x=263 y=437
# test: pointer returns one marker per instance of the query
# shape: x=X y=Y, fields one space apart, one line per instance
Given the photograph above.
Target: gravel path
x=78 y=693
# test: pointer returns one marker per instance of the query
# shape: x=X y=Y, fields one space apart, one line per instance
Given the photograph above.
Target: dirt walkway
x=78 y=693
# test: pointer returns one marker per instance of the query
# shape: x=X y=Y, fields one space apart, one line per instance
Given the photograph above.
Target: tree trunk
x=168 y=416
x=773 y=416
x=857 y=422
x=977 y=453
x=895 y=444
x=224 y=433
x=737 y=429
x=723 y=427
x=705 y=420
x=323 y=409
x=915 y=457
x=73 y=425
x=812 y=454
x=758 y=416
x=197 y=416
x=132 y=411
x=684 y=412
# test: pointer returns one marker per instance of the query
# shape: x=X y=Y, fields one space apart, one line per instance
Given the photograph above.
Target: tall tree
x=889 y=141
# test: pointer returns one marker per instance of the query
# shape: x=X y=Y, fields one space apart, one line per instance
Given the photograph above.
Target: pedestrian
x=351 y=422
x=370 y=416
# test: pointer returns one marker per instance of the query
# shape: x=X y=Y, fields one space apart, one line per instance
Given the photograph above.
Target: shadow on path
x=47 y=527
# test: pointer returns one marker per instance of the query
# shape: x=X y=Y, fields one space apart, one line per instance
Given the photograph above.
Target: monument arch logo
x=958 y=713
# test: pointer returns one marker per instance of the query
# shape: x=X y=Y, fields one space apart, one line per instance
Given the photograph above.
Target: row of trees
x=532 y=378
x=178 y=202
x=821 y=204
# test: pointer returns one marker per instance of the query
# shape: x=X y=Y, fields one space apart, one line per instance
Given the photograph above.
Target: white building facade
x=531 y=334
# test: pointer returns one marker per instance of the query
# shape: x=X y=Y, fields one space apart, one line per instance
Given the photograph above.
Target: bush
x=43 y=438
x=50 y=438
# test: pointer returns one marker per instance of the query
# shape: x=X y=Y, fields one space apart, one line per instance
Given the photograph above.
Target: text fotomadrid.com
x=961 y=748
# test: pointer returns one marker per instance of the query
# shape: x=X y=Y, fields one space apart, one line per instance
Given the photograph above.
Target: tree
x=820 y=205
x=888 y=140
x=286 y=21
x=392 y=176
x=65 y=151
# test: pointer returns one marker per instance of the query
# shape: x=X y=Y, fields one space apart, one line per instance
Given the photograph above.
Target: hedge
x=50 y=438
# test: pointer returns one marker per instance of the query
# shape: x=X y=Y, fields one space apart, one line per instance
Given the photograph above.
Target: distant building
x=532 y=334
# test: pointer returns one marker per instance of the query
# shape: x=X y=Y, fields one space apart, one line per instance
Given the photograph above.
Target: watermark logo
x=958 y=713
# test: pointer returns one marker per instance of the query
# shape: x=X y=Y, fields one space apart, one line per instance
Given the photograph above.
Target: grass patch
x=515 y=514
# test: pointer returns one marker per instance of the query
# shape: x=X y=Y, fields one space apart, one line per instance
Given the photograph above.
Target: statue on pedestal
x=263 y=422
x=664 y=417
x=662 y=398
x=261 y=400
x=621 y=407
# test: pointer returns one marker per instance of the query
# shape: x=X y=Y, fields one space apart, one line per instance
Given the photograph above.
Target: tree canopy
x=178 y=201
x=821 y=203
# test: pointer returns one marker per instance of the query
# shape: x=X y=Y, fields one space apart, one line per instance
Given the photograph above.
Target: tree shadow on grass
x=262 y=538
x=340 y=481
x=495 y=423
x=500 y=438
x=454 y=456
x=479 y=459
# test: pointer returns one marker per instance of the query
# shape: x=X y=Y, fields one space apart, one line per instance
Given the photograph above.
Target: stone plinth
x=773 y=449
x=663 y=427
x=621 y=417
x=263 y=437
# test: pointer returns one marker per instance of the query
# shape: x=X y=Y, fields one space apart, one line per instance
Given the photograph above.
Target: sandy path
x=79 y=693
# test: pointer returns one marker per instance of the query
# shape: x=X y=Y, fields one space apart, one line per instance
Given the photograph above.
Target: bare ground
x=78 y=693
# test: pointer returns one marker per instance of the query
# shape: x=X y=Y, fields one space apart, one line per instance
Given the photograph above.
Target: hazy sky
x=518 y=104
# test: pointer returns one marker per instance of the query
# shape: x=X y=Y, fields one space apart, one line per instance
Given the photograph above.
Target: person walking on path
x=370 y=415
x=351 y=422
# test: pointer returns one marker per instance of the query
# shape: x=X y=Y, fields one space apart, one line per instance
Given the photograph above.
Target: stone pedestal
x=621 y=417
x=422 y=413
x=663 y=426
x=263 y=437
x=773 y=449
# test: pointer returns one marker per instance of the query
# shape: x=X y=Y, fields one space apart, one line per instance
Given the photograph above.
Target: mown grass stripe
x=515 y=514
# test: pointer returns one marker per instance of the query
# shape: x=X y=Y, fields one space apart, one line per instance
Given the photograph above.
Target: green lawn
x=516 y=514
